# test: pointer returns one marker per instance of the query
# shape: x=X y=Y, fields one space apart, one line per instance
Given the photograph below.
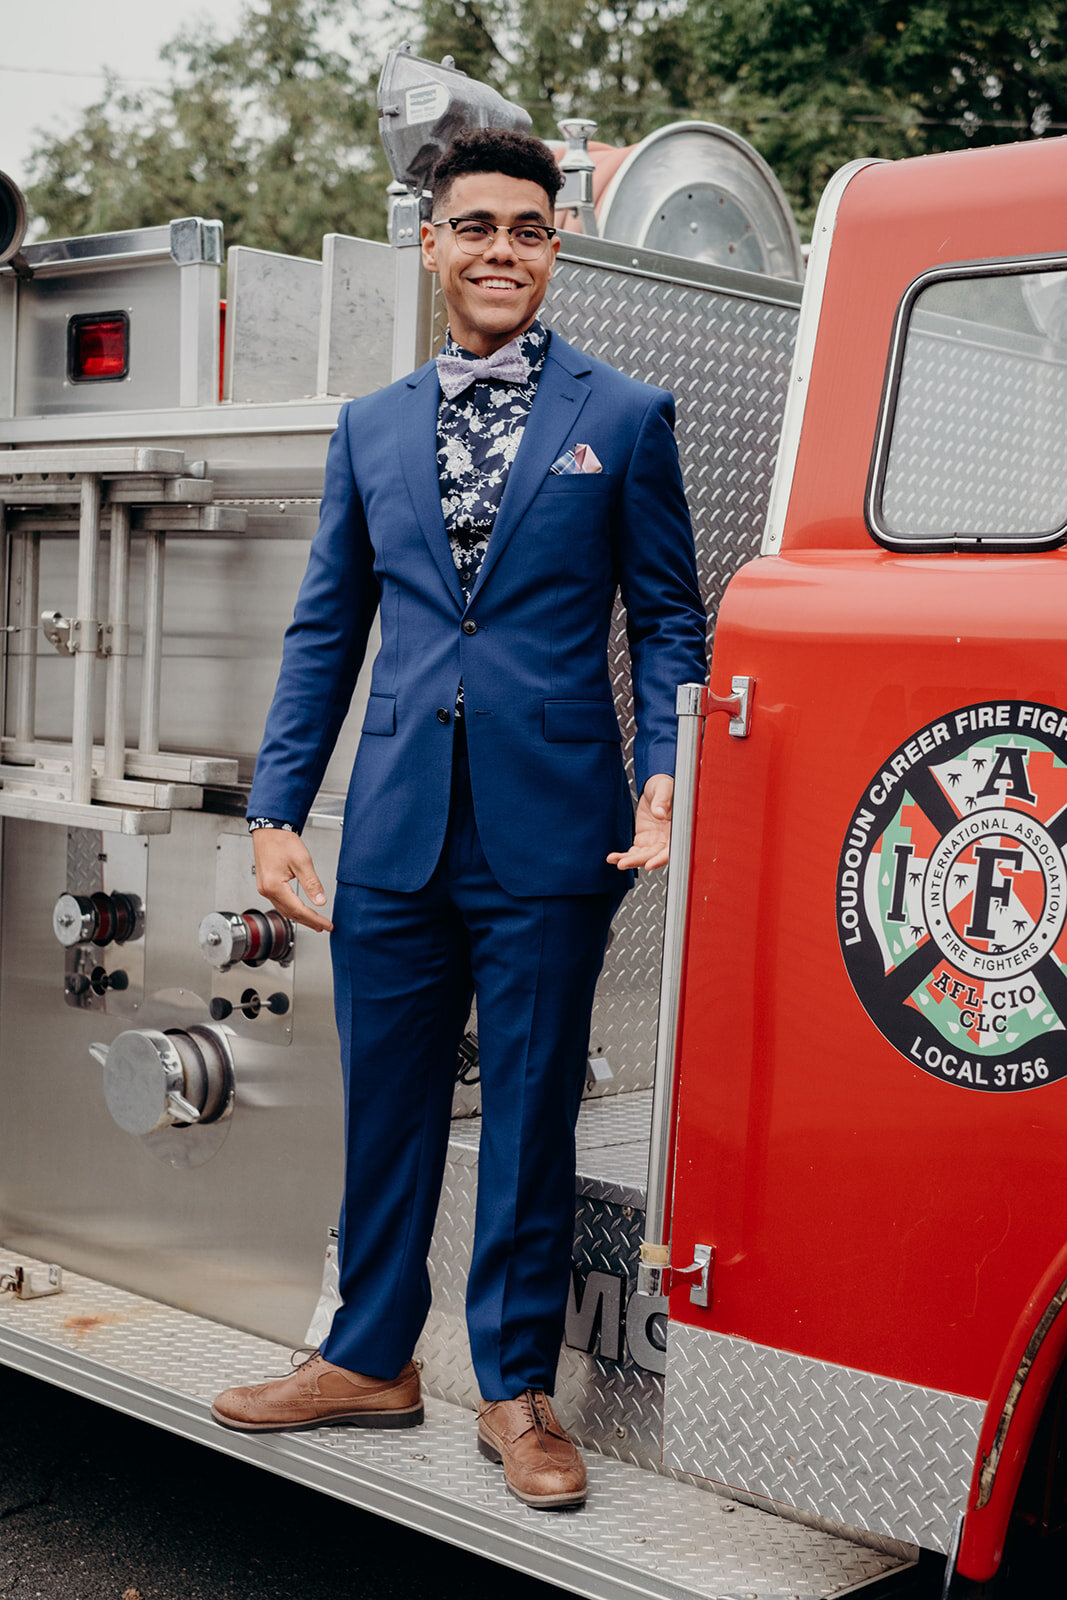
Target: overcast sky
x=53 y=54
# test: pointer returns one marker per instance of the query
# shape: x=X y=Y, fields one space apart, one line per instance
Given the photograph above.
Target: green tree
x=814 y=83
x=272 y=131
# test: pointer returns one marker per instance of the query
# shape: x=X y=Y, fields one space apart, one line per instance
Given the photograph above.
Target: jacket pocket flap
x=380 y=715
x=574 y=720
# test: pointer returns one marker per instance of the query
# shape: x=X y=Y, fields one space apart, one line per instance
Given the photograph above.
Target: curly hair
x=516 y=155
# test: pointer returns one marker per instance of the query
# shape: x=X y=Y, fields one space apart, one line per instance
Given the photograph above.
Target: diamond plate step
x=638 y=1536
x=612 y=1143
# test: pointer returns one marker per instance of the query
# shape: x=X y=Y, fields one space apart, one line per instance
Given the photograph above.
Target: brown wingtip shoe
x=318 y=1393
x=542 y=1465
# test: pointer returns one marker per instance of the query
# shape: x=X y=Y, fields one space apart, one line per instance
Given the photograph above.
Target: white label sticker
x=426 y=103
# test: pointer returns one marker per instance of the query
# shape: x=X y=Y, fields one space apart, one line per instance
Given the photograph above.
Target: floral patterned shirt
x=478 y=434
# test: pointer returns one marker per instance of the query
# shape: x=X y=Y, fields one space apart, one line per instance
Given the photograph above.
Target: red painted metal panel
x=872 y=1110
x=863 y=1211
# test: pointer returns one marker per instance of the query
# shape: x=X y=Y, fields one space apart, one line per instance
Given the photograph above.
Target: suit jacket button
x=470 y=626
x=443 y=715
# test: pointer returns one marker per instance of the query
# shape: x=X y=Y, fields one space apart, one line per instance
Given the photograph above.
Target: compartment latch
x=656 y=1275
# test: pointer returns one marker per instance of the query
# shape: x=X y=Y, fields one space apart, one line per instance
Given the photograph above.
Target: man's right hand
x=282 y=856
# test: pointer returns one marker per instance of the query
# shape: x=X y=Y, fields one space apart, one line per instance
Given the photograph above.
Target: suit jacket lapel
x=417 y=433
x=557 y=403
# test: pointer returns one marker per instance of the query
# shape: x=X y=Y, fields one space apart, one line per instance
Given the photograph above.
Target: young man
x=487 y=508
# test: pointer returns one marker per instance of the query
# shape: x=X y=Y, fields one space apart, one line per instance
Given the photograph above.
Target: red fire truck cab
x=871 y=1105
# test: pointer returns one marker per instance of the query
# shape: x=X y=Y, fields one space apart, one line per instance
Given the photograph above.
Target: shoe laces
x=536 y=1407
x=309 y=1352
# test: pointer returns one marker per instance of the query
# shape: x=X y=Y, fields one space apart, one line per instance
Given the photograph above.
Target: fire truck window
x=975 y=454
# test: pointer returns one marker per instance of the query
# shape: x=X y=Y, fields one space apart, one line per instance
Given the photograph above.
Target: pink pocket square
x=583 y=458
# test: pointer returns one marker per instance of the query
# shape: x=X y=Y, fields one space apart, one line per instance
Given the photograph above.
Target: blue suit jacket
x=547 y=776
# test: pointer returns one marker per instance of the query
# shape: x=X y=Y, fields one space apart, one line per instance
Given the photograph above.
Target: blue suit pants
x=405 y=969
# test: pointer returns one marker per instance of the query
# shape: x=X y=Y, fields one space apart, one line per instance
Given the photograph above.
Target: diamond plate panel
x=726 y=360
x=611 y=1140
x=866 y=1450
x=977 y=437
x=676 y=1540
x=616 y=1406
x=442 y=1350
x=618 y=1120
x=84 y=854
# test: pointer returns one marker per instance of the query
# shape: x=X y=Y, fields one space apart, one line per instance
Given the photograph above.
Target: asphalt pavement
x=97 y=1506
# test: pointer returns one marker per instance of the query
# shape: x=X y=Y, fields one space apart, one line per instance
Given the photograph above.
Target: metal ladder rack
x=125 y=492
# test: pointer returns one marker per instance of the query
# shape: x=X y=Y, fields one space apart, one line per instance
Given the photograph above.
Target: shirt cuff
x=270 y=822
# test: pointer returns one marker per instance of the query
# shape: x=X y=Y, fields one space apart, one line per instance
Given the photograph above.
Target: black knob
x=443 y=715
x=77 y=983
x=220 y=1009
x=118 y=980
x=278 y=1004
x=470 y=626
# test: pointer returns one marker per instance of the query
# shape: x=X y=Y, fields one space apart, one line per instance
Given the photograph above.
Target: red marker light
x=98 y=347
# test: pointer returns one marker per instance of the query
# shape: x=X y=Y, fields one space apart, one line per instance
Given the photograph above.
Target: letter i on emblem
x=903 y=853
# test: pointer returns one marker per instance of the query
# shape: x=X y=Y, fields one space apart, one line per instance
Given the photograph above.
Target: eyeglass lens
x=527 y=238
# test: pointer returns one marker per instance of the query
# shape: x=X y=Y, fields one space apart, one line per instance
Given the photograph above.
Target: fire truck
x=814 y=1343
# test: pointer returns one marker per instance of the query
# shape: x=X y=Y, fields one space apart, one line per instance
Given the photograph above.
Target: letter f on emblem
x=986 y=891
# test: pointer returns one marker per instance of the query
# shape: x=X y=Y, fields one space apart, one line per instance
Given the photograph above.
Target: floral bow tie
x=456 y=373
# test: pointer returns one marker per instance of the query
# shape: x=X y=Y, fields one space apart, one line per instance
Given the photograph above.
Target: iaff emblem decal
x=952 y=897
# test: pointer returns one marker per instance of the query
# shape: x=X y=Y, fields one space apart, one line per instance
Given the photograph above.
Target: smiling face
x=492 y=297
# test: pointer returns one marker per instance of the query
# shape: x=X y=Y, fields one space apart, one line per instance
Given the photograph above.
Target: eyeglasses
x=474 y=237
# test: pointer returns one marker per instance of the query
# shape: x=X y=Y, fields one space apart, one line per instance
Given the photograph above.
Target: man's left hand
x=652 y=827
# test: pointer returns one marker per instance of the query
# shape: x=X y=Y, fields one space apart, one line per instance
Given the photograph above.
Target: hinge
x=737 y=704
x=699 y=1272
x=697 y=700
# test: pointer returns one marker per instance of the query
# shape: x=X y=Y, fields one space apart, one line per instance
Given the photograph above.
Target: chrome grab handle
x=694 y=702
